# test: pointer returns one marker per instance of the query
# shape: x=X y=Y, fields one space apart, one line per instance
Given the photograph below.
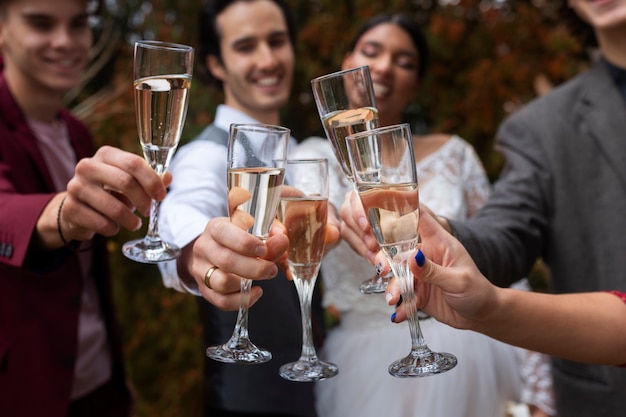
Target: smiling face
x=45 y=45
x=393 y=60
x=257 y=58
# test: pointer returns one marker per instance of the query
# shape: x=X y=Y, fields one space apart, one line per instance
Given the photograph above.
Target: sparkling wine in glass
x=383 y=165
x=346 y=104
x=303 y=210
x=162 y=74
x=257 y=154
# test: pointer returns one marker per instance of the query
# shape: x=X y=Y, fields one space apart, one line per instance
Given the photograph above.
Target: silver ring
x=207 y=276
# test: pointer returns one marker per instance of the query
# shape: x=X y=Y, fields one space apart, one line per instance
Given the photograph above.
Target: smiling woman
x=451 y=181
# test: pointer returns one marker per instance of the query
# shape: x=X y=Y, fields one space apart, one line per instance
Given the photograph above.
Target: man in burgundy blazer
x=49 y=234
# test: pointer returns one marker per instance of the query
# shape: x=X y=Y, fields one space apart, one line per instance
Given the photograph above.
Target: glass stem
x=153 y=225
x=241 y=327
x=305 y=294
x=404 y=277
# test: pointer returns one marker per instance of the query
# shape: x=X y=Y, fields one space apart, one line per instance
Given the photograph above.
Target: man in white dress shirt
x=246 y=48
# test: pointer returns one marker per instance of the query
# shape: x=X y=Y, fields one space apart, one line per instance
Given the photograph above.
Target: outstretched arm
x=585 y=327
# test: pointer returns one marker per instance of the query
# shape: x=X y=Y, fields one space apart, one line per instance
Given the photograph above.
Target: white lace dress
x=452 y=182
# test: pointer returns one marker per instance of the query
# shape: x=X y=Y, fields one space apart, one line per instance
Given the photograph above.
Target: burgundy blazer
x=39 y=293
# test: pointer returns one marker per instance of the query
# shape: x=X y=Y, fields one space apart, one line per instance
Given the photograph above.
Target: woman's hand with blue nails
x=448 y=285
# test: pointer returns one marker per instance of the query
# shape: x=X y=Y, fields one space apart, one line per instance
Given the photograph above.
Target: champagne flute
x=346 y=104
x=162 y=74
x=383 y=164
x=303 y=210
x=257 y=154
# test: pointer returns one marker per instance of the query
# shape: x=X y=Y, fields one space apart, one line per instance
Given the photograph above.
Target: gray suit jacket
x=562 y=196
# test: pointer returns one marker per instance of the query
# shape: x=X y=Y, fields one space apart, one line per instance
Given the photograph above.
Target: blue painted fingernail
x=393 y=317
x=420 y=258
x=379 y=268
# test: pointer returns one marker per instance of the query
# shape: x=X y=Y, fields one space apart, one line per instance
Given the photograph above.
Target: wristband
x=65 y=242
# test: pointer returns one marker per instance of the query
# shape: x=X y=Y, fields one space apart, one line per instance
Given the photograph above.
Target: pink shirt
x=93 y=364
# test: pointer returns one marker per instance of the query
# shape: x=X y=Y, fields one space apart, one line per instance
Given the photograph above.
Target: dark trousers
x=111 y=399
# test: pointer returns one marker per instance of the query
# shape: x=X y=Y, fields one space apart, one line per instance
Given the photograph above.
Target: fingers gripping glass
x=256 y=168
x=383 y=165
x=162 y=74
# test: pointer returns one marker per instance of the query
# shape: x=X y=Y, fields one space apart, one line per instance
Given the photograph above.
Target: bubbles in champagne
x=161 y=106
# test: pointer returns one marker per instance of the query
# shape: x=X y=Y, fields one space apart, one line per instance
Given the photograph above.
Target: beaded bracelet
x=65 y=242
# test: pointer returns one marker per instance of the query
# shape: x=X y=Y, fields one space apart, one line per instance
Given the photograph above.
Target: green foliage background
x=487 y=59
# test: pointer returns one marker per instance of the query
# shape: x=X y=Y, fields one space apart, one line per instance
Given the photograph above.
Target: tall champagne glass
x=303 y=210
x=346 y=104
x=162 y=74
x=257 y=154
x=383 y=164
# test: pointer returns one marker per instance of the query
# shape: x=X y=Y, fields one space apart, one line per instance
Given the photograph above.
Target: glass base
x=375 y=285
x=150 y=251
x=305 y=371
x=241 y=352
x=422 y=364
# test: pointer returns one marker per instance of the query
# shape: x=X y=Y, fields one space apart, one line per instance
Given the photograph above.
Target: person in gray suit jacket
x=559 y=197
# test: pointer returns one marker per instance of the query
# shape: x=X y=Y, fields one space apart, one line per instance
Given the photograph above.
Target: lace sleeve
x=476 y=183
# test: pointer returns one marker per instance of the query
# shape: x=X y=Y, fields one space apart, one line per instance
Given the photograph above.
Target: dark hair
x=209 y=40
x=577 y=27
x=405 y=23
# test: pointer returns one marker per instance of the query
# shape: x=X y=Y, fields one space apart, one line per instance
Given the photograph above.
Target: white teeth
x=380 y=89
x=267 y=82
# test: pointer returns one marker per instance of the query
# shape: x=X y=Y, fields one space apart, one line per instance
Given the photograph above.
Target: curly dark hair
x=209 y=36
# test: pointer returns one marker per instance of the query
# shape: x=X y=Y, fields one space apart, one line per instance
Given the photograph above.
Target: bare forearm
x=589 y=327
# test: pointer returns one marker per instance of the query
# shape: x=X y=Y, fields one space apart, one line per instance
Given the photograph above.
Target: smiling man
x=247 y=50
x=60 y=349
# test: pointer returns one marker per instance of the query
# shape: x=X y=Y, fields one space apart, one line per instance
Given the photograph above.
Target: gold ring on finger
x=207 y=276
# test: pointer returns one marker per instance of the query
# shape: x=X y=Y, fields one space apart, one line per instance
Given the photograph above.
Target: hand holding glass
x=383 y=164
x=303 y=211
x=347 y=104
x=256 y=167
x=162 y=74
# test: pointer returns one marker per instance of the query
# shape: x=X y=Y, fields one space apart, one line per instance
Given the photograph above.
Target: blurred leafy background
x=488 y=57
